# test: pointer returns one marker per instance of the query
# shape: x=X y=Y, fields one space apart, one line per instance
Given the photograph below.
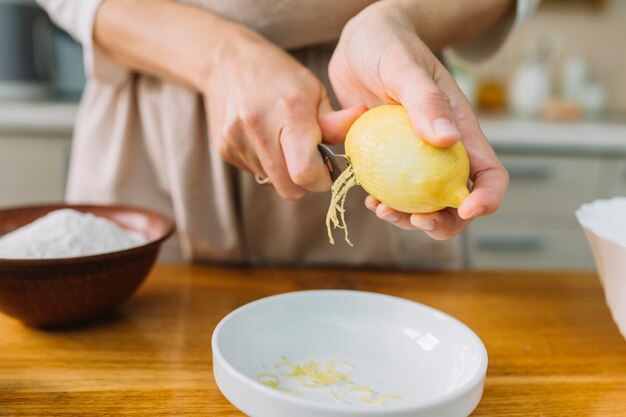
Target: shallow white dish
x=433 y=361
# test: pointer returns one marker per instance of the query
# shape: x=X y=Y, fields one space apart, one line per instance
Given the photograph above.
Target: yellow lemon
x=400 y=169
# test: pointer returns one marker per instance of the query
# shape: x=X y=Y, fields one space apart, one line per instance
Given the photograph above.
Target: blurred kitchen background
x=552 y=103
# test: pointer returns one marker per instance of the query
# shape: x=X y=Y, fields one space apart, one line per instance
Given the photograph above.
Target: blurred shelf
x=601 y=138
x=509 y=135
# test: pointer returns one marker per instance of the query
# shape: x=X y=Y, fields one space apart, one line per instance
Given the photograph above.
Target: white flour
x=67 y=233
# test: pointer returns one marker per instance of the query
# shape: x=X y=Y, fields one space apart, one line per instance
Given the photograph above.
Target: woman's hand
x=381 y=59
x=266 y=111
x=267 y=114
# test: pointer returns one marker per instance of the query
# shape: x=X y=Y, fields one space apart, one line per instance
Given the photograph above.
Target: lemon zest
x=269 y=380
x=367 y=396
x=336 y=214
x=312 y=375
x=382 y=398
x=273 y=381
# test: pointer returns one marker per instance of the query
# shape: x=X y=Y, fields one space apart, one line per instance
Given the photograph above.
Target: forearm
x=446 y=23
x=164 y=38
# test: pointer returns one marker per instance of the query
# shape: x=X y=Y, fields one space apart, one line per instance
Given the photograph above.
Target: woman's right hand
x=267 y=113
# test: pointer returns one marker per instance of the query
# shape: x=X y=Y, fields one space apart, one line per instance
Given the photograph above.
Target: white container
x=433 y=361
x=574 y=78
x=594 y=100
x=530 y=88
x=604 y=222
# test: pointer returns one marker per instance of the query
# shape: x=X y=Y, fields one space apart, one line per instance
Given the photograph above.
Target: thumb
x=429 y=110
x=335 y=124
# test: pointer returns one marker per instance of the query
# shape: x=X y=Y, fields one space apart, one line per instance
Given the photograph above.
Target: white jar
x=530 y=88
x=574 y=78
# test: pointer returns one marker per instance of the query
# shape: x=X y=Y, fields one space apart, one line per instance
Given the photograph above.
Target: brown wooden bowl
x=67 y=291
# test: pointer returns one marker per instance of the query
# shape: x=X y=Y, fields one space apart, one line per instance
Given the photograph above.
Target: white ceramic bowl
x=604 y=223
x=433 y=361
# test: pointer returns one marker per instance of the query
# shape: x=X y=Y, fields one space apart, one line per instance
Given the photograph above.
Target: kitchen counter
x=553 y=349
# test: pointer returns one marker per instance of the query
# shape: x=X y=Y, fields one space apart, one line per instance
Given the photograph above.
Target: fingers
x=259 y=132
x=303 y=130
x=490 y=182
x=335 y=124
x=228 y=139
x=389 y=215
x=232 y=151
x=383 y=212
x=428 y=107
x=299 y=138
x=440 y=225
x=291 y=157
x=487 y=173
x=436 y=98
x=283 y=144
x=490 y=186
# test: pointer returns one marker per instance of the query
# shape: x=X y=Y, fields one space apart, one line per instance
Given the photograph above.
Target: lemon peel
x=336 y=215
x=312 y=375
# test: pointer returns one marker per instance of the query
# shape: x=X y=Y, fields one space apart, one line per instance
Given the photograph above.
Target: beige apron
x=145 y=142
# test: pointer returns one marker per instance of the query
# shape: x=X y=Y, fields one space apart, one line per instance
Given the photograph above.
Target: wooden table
x=553 y=349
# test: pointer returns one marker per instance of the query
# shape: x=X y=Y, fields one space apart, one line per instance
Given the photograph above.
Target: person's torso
x=291 y=24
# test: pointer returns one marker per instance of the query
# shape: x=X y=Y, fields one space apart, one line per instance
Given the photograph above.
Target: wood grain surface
x=553 y=349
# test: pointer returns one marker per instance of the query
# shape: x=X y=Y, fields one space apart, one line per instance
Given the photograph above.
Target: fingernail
x=425 y=225
x=391 y=217
x=445 y=127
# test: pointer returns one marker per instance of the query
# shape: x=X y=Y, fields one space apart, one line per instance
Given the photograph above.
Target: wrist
x=392 y=11
x=217 y=52
x=444 y=23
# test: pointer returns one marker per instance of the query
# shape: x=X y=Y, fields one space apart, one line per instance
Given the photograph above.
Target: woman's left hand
x=381 y=59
